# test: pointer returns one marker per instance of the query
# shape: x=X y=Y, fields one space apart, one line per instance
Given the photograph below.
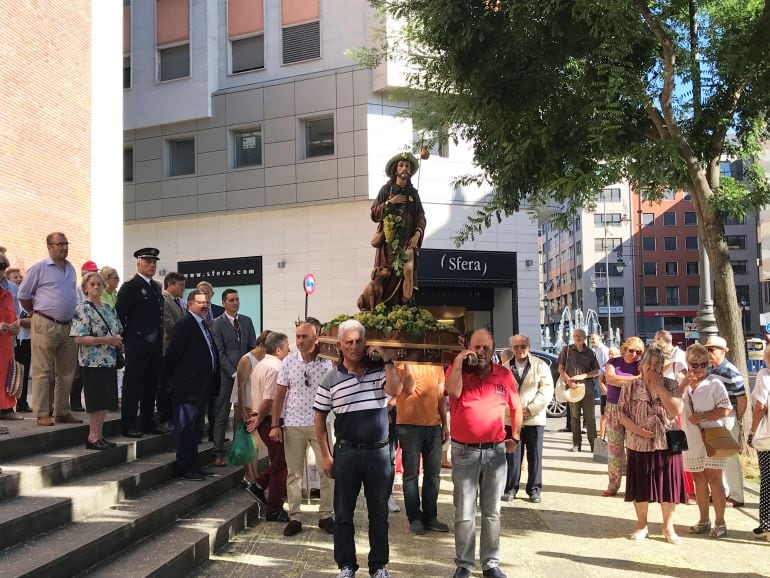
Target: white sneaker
x=347 y=572
x=381 y=573
x=392 y=507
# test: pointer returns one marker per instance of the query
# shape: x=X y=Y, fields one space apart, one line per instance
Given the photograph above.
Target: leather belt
x=358 y=446
x=51 y=318
x=479 y=446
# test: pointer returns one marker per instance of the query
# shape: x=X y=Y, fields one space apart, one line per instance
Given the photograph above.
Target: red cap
x=89 y=266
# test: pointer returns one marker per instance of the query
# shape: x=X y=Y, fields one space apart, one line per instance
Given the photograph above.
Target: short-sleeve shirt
x=301 y=378
x=263 y=380
x=478 y=413
x=731 y=378
x=709 y=394
x=421 y=406
x=360 y=405
x=622 y=367
x=761 y=391
x=88 y=322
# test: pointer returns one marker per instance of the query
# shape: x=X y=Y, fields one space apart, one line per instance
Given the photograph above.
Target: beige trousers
x=295 y=442
x=53 y=350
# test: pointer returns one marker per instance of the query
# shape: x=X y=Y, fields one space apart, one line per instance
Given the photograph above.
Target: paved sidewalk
x=573 y=532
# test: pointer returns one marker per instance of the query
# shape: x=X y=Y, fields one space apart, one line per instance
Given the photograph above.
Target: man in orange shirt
x=421 y=421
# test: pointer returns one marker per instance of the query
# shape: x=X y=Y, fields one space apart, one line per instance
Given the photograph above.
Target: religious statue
x=400 y=219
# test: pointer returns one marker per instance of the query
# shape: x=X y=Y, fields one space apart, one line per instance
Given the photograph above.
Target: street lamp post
x=610 y=337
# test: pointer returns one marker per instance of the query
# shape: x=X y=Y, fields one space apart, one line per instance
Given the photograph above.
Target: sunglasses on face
x=703 y=365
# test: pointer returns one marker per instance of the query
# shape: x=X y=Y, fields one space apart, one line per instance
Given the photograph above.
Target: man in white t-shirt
x=678 y=366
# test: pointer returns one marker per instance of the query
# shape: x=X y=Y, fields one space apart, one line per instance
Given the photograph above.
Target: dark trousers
x=221 y=405
x=76 y=393
x=23 y=354
x=424 y=442
x=532 y=444
x=273 y=477
x=585 y=407
x=163 y=399
x=140 y=384
x=187 y=431
x=353 y=468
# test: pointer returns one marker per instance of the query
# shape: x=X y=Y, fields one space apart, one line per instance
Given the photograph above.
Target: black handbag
x=676 y=440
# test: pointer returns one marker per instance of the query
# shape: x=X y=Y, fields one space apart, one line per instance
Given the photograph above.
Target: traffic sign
x=767 y=328
x=309 y=284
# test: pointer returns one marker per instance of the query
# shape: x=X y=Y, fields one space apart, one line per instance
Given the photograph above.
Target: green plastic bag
x=244 y=451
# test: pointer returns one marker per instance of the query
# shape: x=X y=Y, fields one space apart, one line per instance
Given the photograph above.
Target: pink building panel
x=244 y=17
x=172 y=21
x=296 y=11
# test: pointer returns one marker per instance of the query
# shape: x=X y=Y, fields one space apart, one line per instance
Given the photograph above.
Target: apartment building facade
x=254 y=144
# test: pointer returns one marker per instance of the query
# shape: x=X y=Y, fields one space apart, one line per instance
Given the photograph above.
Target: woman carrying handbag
x=760 y=440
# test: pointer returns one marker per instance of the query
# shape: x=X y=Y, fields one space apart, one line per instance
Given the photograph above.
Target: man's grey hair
x=664 y=335
x=274 y=341
x=350 y=325
x=580 y=331
x=519 y=336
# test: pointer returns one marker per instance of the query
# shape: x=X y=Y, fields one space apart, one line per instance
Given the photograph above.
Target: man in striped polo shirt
x=357 y=391
x=728 y=374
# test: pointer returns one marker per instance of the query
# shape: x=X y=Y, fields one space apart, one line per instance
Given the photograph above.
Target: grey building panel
x=149 y=132
x=246 y=198
x=211 y=139
x=361 y=188
x=360 y=113
x=346 y=187
x=346 y=167
x=344 y=119
x=317 y=190
x=148 y=149
x=344 y=89
x=316 y=171
x=149 y=209
x=149 y=191
x=362 y=165
x=362 y=86
x=315 y=94
x=280 y=153
x=129 y=211
x=345 y=147
x=147 y=171
x=218 y=106
x=245 y=179
x=361 y=143
x=212 y=184
x=180 y=206
x=280 y=195
x=279 y=100
x=245 y=106
x=280 y=129
x=212 y=203
x=212 y=163
x=280 y=176
x=186 y=127
x=129 y=193
x=180 y=187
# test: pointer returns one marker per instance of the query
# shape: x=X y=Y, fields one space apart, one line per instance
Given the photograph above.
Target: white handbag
x=761 y=440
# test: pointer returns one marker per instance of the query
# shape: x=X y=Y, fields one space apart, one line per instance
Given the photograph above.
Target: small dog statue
x=372 y=294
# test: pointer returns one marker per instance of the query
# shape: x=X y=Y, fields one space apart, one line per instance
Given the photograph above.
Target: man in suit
x=192 y=365
x=234 y=335
x=173 y=310
x=208 y=290
x=140 y=308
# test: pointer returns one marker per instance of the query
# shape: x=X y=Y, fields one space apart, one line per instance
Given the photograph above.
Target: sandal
x=3 y=429
x=718 y=531
x=701 y=528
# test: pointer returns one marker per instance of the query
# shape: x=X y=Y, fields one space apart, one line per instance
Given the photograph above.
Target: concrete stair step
x=187 y=544
x=79 y=545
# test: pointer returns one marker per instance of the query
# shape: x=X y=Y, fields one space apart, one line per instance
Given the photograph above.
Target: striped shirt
x=731 y=378
x=360 y=405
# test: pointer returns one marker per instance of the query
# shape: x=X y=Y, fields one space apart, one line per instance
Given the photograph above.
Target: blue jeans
x=532 y=443
x=421 y=441
x=483 y=471
x=352 y=468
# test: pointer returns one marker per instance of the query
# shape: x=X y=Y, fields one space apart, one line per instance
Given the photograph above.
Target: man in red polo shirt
x=478 y=397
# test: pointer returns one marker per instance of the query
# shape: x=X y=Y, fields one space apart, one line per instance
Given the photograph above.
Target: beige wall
x=45 y=124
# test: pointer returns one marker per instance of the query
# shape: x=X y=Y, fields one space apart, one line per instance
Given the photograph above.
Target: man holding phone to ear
x=478 y=397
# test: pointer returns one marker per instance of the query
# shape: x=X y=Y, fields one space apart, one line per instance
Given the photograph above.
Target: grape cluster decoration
x=412 y=320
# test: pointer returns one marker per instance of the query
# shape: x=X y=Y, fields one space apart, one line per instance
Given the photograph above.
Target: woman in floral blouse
x=97 y=330
x=648 y=409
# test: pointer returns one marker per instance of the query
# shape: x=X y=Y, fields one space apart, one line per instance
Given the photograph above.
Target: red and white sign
x=309 y=284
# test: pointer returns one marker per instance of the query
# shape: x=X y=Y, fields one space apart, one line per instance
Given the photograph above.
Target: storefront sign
x=467 y=268
x=614 y=310
x=223 y=272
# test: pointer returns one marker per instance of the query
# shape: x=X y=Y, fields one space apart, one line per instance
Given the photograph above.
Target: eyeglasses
x=703 y=365
x=519 y=346
x=62 y=244
x=635 y=351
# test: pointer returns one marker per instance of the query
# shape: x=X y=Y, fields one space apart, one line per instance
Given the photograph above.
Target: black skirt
x=100 y=387
x=655 y=477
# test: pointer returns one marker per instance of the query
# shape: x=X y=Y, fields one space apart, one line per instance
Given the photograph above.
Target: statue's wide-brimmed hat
x=404 y=156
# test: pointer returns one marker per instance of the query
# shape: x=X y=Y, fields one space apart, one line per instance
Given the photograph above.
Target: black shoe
x=327 y=525
x=293 y=528
x=494 y=573
x=109 y=444
x=435 y=526
x=155 y=430
x=508 y=496
x=564 y=429
x=575 y=449
x=279 y=516
x=77 y=407
x=191 y=476
x=132 y=433
x=97 y=445
x=205 y=473
x=257 y=492
x=535 y=498
x=23 y=409
x=461 y=573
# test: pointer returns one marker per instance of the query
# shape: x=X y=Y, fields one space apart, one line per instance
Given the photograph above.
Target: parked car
x=554 y=409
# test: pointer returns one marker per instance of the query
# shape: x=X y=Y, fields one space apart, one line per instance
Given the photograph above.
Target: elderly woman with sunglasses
x=618 y=372
x=648 y=409
x=706 y=404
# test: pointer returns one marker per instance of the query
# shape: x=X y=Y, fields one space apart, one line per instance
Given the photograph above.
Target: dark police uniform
x=140 y=308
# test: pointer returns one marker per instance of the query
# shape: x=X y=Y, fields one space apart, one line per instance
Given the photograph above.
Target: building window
x=128 y=165
x=648 y=219
x=127 y=71
x=742 y=293
x=650 y=268
x=672 y=295
x=650 y=295
x=579 y=248
x=608 y=195
x=691 y=242
x=616 y=296
x=248 y=147
x=669 y=219
x=247 y=53
x=669 y=243
x=725 y=169
x=318 y=137
x=692 y=268
x=601 y=219
x=174 y=62
x=690 y=218
x=730 y=220
x=607 y=244
x=182 y=156
x=736 y=241
x=301 y=42
x=648 y=243
x=672 y=268
x=601 y=268
x=740 y=267
x=579 y=272
x=693 y=295
x=437 y=142
x=668 y=195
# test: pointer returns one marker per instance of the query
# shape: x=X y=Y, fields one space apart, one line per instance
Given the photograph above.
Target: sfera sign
x=236 y=271
x=466 y=268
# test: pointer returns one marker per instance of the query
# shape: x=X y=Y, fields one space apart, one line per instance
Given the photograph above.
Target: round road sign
x=309 y=284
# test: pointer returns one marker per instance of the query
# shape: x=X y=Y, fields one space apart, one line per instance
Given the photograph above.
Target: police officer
x=140 y=307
